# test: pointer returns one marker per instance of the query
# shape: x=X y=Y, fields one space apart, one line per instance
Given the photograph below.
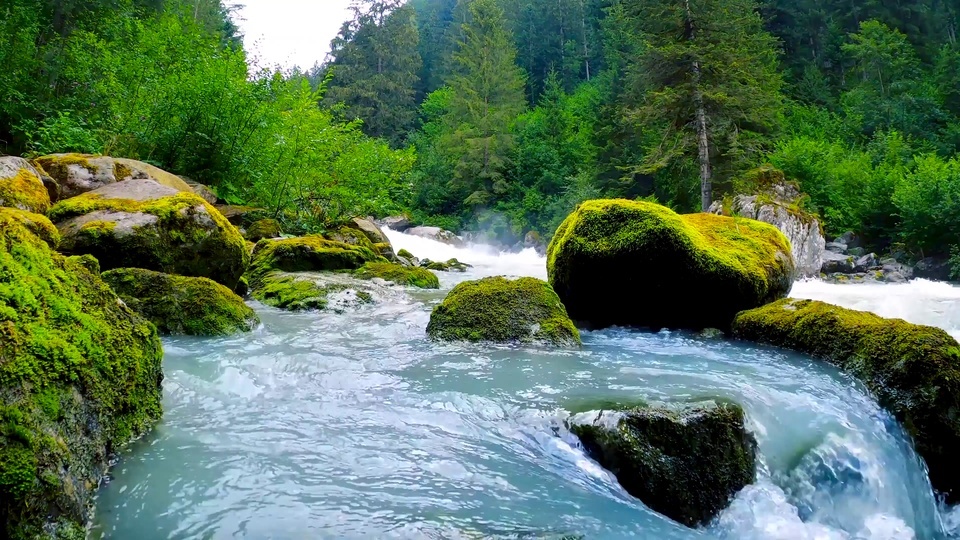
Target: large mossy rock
x=634 y=263
x=179 y=305
x=21 y=186
x=76 y=174
x=399 y=275
x=502 y=310
x=80 y=376
x=685 y=462
x=913 y=370
x=143 y=224
x=263 y=229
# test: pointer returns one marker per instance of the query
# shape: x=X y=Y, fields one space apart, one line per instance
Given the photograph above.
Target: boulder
x=79 y=173
x=502 y=310
x=450 y=265
x=242 y=216
x=264 y=228
x=866 y=263
x=686 y=462
x=406 y=258
x=370 y=229
x=21 y=186
x=778 y=202
x=204 y=191
x=835 y=263
x=913 y=370
x=849 y=239
x=611 y=260
x=399 y=275
x=80 y=377
x=933 y=268
x=396 y=223
x=142 y=224
x=179 y=305
x=438 y=234
x=837 y=247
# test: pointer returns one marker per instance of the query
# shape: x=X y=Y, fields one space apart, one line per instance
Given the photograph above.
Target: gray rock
x=856 y=252
x=22 y=186
x=369 y=229
x=867 y=262
x=850 y=238
x=837 y=247
x=834 y=263
x=396 y=223
x=438 y=234
x=904 y=270
x=76 y=174
x=933 y=268
x=894 y=277
x=206 y=192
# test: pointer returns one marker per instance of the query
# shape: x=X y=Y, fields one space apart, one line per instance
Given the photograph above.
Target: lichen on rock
x=76 y=174
x=710 y=266
x=80 y=377
x=142 y=224
x=502 y=310
x=913 y=370
x=686 y=462
x=21 y=186
x=180 y=305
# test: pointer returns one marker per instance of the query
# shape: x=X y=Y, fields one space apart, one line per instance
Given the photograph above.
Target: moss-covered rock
x=80 y=376
x=451 y=265
x=79 y=173
x=405 y=254
x=264 y=228
x=142 y=224
x=306 y=254
x=21 y=186
x=36 y=224
x=401 y=275
x=612 y=260
x=913 y=370
x=182 y=305
x=685 y=462
x=350 y=235
x=301 y=291
x=498 y=309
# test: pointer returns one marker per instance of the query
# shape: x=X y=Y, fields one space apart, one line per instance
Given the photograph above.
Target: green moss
x=609 y=257
x=685 y=463
x=451 y=265
x=401 y=275
x=35 y=223
x=182 y=242
x=264 y=228
x=25 y=191
x=502 y=310
x=300 y=292
x=57 y=165
x=405 y=254
x=87 y=261
x=354 y=237
x=914 y=371
x=182 y=305
x=306 y=254
x=79 y=377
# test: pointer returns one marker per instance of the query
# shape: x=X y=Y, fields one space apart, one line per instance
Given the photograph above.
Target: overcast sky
x=290 y=32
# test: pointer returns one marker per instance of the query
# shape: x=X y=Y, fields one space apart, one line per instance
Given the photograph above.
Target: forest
x=500 y=116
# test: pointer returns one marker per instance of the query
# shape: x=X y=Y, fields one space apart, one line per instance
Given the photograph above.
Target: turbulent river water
x=354 y=425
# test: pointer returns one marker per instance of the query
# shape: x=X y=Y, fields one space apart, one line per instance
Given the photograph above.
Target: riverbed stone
x=263 y=228
x=80 y=377
x=180 y=305
x=611 y=259
x=684 y=461
x=76 y=174
x=399 y=274
x=502 y=310
x=913 y=370
x=21 y=186
x=142 y=224
x=436 y=233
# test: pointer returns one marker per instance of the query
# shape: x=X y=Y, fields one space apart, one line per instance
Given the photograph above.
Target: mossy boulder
x=179 y=305
x=612 y=261
x=450 y=265
x=21 y=186
x=686 y=462
x=502 y=310
x=400 y=275
x=143 y=224
x=913 y=370
x=242 y=216
x=264 y=228
x=300 y=291
x=80 y=376
x=79 y=173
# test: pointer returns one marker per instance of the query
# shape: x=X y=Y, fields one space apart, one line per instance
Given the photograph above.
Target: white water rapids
x=323 y=425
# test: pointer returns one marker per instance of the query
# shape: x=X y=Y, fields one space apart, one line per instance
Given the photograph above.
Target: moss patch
x=25 y=191
x=913 y=370
x=306 y=254
x=297 y=292
x=401 y=275
x=182 y=305
x=609 y=258
x=502 y=310
x=405 y=254
x=36 y=224
x=189 y=238
x=80 y=376
x=264 y=228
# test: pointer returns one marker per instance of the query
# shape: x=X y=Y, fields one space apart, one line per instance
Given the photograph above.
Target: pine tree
x=376 y=68
x=707 y=76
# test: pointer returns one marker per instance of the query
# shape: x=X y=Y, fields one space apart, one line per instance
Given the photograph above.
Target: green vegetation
x=182 y=305
x=400 y=275
x=622 y=250
x=914 y=371
x=80 y=377
x=498 y=309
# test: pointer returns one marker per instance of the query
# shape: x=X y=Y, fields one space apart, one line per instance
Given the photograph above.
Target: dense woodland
x=499 y=116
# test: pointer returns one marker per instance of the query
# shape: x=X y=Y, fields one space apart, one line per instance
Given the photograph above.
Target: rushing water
x=320 y=425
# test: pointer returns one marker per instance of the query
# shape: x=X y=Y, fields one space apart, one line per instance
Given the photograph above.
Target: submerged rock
x=611 y=259
x=79 y=173
x=498 y=309
x=182 y=305
x=685 y=462
x=399 y=274
x=80 y=377
x=264 y=228
x=143 y=224
x=913 y=370
x=21 y=186
x=301 y=291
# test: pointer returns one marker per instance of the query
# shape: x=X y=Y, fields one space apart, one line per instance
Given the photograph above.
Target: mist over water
x=320 y=425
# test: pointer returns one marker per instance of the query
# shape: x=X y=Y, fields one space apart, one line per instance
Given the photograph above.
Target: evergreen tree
x=707 y=77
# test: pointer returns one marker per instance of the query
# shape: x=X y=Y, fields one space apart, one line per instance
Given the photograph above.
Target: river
x=354 y=425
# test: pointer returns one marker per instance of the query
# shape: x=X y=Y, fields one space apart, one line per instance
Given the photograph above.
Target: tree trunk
x=703 y=134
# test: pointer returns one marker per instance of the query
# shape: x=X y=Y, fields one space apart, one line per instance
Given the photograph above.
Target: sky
x=289 y=32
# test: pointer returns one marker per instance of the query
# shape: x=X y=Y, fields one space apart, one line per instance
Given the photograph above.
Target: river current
x=354 y=425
